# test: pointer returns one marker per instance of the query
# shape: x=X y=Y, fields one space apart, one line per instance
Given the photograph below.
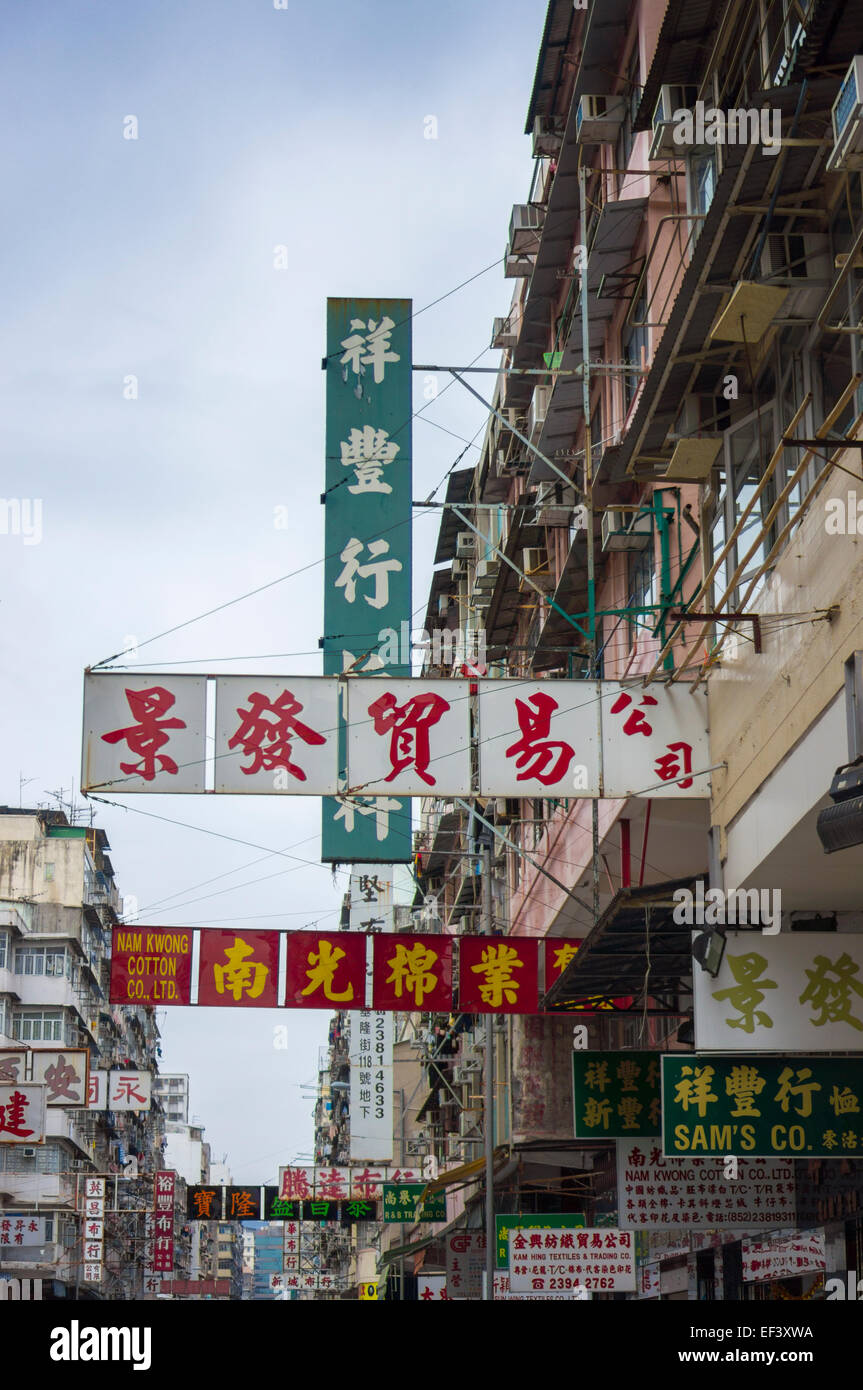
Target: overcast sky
x=154 y=258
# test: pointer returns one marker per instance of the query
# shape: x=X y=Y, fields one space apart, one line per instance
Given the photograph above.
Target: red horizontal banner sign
x=151 y=965
x=329 y=970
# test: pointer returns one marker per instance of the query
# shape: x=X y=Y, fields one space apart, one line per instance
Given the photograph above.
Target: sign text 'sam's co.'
x=151 y=967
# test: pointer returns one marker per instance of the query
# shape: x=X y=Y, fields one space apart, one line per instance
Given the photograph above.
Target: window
x=4 y=949
x=41 y=960
x=49 y=873
x=748 y=446
x=38 y=1025
x=632 y=97
x=641 y=588
x=702 y=183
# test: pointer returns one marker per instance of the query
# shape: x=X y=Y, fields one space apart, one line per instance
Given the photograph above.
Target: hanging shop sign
x=22 y=1114
x=350 y=970
x=370 y=1032
x=92 y=1198
x=465 y=1264
x=130 y=1091
x=432 y=1288
x=151 y=966
x=598 y=1259
x=654 y=1192
x=367 y=545
x=804 y=1107
x=403 y=1202
x=793 y=992
x=302 y=1184
x=783 y=1257
x=164 y=1193
x=20 y=1228
x=403 y=737
x=616 y=1095
x=533 y=1226
x=13 y=1065
x=63 y=1072
x=504 y=1294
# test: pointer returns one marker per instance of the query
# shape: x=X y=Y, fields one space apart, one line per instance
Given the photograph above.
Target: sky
x=161 y=400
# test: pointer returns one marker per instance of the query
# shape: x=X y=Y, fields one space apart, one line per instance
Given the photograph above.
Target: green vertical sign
x=367 y=541
x=616 y=1095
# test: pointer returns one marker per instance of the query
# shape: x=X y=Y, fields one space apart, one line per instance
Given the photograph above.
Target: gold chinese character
x=324 y=963
x=411 y=970
x=744 y=1084
x=241 y=976
x=497 y=964
x=694 y=1089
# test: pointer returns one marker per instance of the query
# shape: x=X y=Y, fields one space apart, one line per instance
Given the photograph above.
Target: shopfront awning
x=636 y=949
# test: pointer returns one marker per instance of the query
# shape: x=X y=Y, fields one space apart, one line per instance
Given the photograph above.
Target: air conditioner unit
x=625 y=529
x=555 y=507
x=462 y=1076
x=516 y=465
x=468 y=1123
x=525 y=226
x=453 y=1147
x=518 y=265
x=547 y=136
x=416 y=1147
x=537 y=412
x=487 y=572
x=672 y=98
x=792 y=259
x=458 y=570
x=466 y=545
x=443 y=605
x=28 y=1151
x=847 y=121
x=504 y=334
x=534 y=563
x=598 y=119
x=80 y=1165
x=471 y=1060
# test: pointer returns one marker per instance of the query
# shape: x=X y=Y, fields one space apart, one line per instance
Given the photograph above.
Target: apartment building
x=666 y=497
x=58 y=901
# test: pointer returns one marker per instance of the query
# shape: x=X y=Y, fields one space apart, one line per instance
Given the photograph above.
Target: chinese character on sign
x=532 y=755
x=145 y=738
x=694 y=1089
x=10 y=1066
x=126 y=1091
x=240 y=976
x=368 y=451
x=368 y=345
x=63 y=1082
x=497 y=964
x=744 y=1083
x=832 y=996
x=748 y=993
x=377 y=806
x=266 y=730
x=412 y=971
x=803 y=1090
x=408 y=726
x=12 y=1117
x=671 y=766
x=636 y=722
x=377 y=568
x=324 y=963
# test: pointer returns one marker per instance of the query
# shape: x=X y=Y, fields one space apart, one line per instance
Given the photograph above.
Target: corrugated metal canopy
x=635 y=949
x=559 y=21
x=457 y=489
x=681 y=51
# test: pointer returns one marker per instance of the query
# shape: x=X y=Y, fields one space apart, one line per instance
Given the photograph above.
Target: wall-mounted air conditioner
x=537 y=412
x=547 y=136
x=688 y=419
x=800 y=263
x=468 y=1123
x=518 y=265
x=624 y=529
x=673 y=97
x=458 y=570
x=525 y=226
x=847 y=121
x=443 y=605
x=487 y=572
x=466 y=545
x=504 y=333
x=598 y=119
x=534 y=563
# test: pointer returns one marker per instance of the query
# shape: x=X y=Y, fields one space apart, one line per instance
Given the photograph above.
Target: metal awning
x=636 y=949
x=684 y=41
x=559 y=20
x=508 y=596
x=457 y=489
x=442 y=583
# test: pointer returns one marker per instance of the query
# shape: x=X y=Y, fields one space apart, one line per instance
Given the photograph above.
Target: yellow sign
x=369 y=1292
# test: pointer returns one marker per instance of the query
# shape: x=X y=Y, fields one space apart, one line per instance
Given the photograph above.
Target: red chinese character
x=12 y=1116
x=636 y=723
x=295 y=1184
x=147 y=736
x=59 y=1078
x=330 y=1184
x=366 y=1184
x=669 y=766
x=256 y=729
x=127 y=1089
x=533 y=756
x=408 y=726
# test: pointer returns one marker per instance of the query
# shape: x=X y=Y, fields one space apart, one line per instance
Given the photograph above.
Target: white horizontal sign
x=793 y=992
x=278 y=735
x=599 y=1259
